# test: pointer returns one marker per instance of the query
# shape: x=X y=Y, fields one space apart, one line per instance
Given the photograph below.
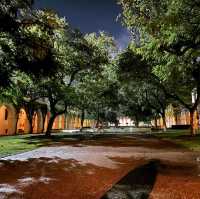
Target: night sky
x=90 y=16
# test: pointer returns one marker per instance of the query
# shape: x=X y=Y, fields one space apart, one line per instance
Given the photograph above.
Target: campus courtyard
x=100 y=99
x=94 y=166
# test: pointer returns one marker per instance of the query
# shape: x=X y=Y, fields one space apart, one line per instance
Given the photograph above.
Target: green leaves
x=169 y=44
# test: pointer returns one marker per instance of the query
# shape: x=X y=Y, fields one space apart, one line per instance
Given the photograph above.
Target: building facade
x=179 y=116
x=13 y=122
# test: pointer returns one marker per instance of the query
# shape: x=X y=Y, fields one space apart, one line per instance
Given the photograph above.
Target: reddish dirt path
x=88 y=169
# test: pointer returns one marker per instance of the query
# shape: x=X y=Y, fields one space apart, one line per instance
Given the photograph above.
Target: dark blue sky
x=90 y=16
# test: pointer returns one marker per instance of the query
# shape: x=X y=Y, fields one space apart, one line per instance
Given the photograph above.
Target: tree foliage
x=169 y=42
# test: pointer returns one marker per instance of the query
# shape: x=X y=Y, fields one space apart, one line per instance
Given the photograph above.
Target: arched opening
x=72 y=122
x=67 y=121
x=8 y=119
x=78 y=122
x=60 y=121
x=63 y=122
x=56 y=123
x=37 y=122
x=47 y=117
x=23 y=126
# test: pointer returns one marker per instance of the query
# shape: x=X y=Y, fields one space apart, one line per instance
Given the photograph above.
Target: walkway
x=138 y=167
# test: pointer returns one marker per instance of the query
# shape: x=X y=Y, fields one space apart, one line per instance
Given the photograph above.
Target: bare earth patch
x=125 y=166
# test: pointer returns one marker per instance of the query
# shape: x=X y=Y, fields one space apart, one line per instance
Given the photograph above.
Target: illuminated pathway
x=88 y=169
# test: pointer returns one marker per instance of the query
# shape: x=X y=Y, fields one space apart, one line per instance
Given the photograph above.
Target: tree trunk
x=30 y=120
x=43 y=122
x=50 y=125
x=82 y=118
x=136 y=123
x=117 y=124
x=164 y=122
x=29 y=108
x=192 y=130
x=156 y=123
x=97 y=123
x=176 y=119
x=98 y=120
x=65 y=122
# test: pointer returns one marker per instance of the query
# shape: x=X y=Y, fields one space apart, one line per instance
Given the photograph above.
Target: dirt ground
x=117 y=167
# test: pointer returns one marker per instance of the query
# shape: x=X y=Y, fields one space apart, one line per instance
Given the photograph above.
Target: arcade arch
x=8 y=120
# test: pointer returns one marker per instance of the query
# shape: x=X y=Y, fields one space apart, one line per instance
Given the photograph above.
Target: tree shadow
x=98 y=140
x=41 y=177
x=137 y=184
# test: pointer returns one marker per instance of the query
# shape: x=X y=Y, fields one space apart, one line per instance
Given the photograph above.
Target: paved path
x=87 y=169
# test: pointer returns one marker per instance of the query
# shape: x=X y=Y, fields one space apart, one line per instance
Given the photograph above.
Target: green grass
x=183 y=138
x=10 y=145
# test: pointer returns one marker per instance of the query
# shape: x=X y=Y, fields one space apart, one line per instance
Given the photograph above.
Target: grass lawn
x=182 y=137
x=10 y=145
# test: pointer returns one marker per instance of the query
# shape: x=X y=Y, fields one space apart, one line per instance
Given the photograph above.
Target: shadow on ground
x=137 y=184
x=51 y=178
x=100 y=140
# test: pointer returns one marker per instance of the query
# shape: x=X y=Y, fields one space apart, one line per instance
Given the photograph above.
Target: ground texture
x=119 y=167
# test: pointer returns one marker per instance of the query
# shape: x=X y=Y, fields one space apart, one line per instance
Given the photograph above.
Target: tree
x=79 y=57
x=60 y=97
x=169 y=40
x=133 y=102
x=92 y=85
x=141 y=85
x=157 y=101
x=97 y=93
x=27 y=40
x=39 y=45
x=10 y=12
x=24 y=93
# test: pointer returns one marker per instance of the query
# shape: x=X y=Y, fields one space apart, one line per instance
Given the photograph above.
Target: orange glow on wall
x=23 y=123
